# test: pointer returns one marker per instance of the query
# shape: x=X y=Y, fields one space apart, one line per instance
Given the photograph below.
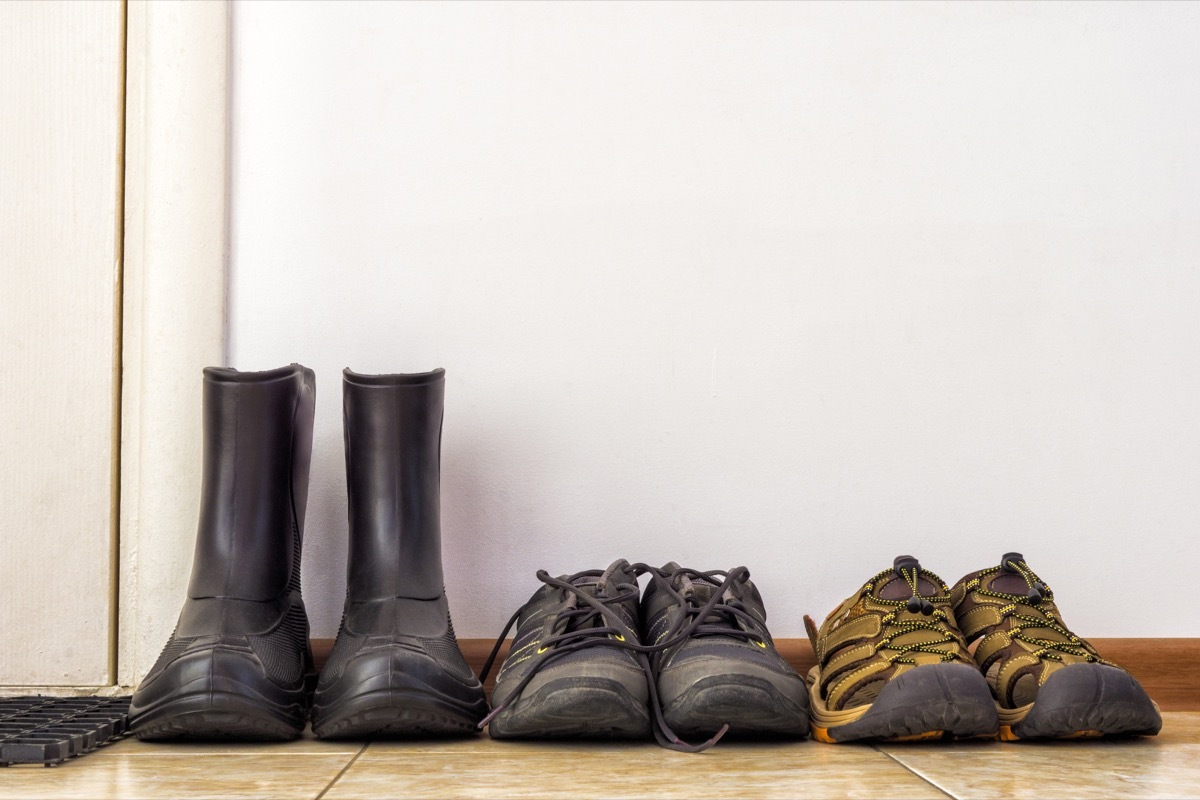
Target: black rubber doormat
x=49 y=730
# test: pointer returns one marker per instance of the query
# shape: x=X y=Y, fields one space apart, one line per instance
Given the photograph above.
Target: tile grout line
x=916 y=774
x=342 y=771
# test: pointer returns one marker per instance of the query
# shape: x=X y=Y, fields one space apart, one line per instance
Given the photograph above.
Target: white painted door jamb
x=176 y=245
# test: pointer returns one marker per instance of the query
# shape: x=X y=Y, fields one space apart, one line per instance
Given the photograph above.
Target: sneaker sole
x=574 y=708
x=1083 y=701
x=932 y=701
x=751 y=707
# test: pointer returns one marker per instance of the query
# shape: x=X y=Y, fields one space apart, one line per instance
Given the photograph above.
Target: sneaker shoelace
x=727 y=617
x=591 y=621
x=1027 y=612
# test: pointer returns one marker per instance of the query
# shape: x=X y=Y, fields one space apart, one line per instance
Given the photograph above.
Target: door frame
x=176 y=235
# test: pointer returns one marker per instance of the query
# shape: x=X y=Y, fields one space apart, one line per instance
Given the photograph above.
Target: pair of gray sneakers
x=690 y=658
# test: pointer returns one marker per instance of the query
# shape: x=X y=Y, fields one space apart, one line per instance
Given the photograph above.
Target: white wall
x=795 y=286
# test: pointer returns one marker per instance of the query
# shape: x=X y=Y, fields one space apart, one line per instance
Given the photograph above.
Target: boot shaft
x=393 y=433
x=256 y=453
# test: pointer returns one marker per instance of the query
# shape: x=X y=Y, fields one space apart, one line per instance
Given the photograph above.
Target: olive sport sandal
x=1048 y=682
x=893 y=666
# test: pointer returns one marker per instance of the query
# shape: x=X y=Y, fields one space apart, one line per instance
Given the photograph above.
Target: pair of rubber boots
x=239 y=664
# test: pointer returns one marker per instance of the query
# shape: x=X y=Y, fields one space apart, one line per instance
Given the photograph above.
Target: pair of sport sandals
x=909 y=658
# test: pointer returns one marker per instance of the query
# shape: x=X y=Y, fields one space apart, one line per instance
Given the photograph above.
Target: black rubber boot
x=238 y=665
x=395 y=669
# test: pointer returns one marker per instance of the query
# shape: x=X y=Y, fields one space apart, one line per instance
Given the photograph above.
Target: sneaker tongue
x=699 y=588
x=588 y=581
x=589 y=585
x=620 y=565
x=593 y=584
x=700 y=592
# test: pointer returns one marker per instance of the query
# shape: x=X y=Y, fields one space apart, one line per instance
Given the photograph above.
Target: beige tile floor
x=1166 y=766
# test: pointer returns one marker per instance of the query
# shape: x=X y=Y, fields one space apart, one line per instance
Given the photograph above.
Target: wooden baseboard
x=1164 y=666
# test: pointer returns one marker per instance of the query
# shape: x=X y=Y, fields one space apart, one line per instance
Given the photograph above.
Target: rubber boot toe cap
x=396 y=689
x=217 y=692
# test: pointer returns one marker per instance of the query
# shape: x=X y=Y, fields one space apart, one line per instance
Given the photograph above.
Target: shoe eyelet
x=541 y=650
x=618 y=637
x=761 y=643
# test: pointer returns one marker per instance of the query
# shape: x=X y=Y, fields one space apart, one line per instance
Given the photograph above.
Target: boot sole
x=218 y=716
x=1084 y=701
x=575 y=708
x=222 y=694
x=932 y=701
x=394 y=713
x=751 y=707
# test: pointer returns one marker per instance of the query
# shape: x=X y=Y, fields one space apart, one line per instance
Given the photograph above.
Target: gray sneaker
x=573 y=670
x=719 y=670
